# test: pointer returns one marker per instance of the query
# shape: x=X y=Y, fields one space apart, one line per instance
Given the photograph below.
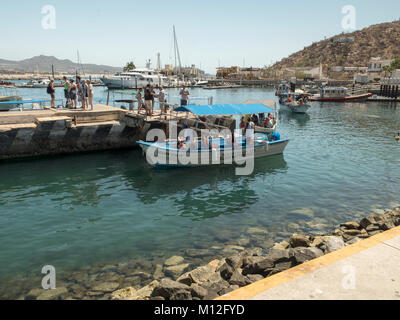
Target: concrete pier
x=368 y=269
x=60 y=131
x=54 y=131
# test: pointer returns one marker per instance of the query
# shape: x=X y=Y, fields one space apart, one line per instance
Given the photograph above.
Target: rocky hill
x=44 y=63
x=350 y=49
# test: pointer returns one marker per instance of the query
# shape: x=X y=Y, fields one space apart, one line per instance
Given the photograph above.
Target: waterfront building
x=376 y=64
x=227 y=72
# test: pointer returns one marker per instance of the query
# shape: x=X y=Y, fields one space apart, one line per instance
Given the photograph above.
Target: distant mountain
x=44 y=63
x=348 y=49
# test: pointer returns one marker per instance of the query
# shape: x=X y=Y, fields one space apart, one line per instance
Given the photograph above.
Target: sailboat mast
x=177 y=52
x=80 y=63
x=174 y=45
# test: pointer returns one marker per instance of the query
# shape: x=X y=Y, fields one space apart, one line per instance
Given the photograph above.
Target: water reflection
x=203 y=192
x=208 y=191
x=300 y=118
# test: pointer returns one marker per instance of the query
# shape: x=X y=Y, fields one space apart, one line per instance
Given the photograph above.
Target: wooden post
x=108 y=97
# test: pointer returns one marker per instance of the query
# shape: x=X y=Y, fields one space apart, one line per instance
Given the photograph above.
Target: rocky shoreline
x=222 y=276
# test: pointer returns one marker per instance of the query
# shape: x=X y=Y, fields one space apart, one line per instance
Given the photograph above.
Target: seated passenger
x=181 y=144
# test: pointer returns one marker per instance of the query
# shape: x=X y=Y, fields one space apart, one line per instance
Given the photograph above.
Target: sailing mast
x=80 y=63
x=176 y=51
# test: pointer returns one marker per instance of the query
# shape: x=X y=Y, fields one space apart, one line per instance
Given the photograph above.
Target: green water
x=76 y=211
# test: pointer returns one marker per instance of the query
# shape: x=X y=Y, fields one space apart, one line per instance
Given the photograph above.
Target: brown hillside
x=381 y=40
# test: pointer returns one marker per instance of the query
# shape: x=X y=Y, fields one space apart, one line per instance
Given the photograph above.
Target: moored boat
x=167 y=154
x=213 y=150
x=5 y=106
x=338 y=94
x=294 y=102
x=135 y=79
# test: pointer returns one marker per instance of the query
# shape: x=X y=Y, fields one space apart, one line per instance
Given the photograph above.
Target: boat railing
x=35 y=104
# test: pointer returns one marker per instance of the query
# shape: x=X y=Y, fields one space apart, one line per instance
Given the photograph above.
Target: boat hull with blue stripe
x=216 y=150
x=167 y=154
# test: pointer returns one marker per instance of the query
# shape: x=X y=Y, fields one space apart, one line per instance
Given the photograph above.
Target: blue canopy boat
x=215 y=150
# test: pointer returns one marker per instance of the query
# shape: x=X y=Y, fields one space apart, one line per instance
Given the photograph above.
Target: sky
x=209 y=33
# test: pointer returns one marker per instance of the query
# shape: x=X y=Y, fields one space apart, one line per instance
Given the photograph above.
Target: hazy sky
x=210 y=33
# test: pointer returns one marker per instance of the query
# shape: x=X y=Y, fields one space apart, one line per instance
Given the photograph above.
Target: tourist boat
x=294 y=102
x=282 y=89
x=138 y=78
x=338 y=94
x=9 y=102
x=211 y=151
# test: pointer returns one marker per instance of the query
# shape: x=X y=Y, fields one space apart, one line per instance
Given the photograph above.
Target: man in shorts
x=161 y=99
x=184 y=93
x=148 y=99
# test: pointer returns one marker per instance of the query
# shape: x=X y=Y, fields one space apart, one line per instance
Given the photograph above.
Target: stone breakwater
x=222 y=276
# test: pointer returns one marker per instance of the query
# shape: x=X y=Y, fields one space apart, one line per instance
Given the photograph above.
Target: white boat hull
x=111 y=83
x=301 y=108
x=170 y=158
x=9 y=106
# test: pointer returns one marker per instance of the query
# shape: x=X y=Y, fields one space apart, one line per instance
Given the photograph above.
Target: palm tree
x=387 y=69
x=130 y=66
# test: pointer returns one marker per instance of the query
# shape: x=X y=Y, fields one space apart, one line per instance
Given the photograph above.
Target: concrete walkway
x=369 y=269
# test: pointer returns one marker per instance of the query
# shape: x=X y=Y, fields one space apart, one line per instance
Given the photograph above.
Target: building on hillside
x=310 y=72
x=376 y=64
x=337 y=69
x=361 y=78
x=343 y=40
x=349 y=69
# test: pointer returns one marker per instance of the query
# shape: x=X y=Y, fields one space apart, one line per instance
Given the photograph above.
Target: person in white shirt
x=184 y=93
x=161 y=99
x=90 y=91
x=249 y=130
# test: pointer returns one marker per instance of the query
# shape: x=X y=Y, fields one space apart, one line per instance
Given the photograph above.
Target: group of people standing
x=81 y=91
x=149 y=95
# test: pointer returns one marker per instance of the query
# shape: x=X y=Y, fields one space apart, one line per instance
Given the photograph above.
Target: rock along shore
x=219 y=277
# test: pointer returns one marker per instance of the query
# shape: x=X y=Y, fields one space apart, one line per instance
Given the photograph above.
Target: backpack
x=49 y=90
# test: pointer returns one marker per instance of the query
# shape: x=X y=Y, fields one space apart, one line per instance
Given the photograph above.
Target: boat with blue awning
x=214 y=148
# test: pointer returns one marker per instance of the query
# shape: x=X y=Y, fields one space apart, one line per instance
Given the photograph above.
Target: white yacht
x=137 y=78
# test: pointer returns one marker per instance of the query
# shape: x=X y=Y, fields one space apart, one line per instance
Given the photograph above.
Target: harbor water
x=109 y=216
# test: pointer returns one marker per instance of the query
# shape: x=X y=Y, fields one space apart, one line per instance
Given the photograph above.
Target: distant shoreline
x=28 y=76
